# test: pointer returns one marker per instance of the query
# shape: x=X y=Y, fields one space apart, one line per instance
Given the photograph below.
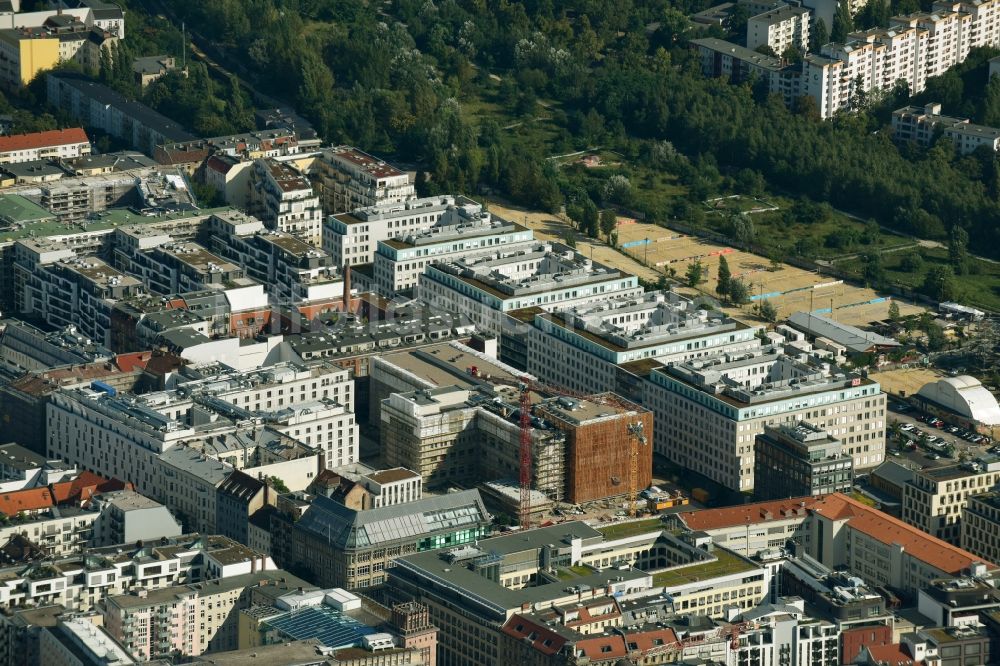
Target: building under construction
x=602 y=434
x=466 y=428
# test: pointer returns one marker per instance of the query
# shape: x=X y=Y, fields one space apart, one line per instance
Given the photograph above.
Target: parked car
x=932 y=456
x=908 y=427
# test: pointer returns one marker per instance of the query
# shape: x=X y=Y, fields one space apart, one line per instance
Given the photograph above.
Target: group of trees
x=402 y=82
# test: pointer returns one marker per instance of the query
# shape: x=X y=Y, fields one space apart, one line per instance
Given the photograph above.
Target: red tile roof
x=602 y=647
x=746 y=514
x=888 y=530
x=545 y=640
x=133 y=361
x=42 y=139
x=892 y=654
x=647 y=640
x=33 y=499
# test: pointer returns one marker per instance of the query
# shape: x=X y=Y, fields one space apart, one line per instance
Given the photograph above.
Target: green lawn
x=773 y=231
x=725 y=563
x=980 y=288
x=575 y=571
x=631 y=528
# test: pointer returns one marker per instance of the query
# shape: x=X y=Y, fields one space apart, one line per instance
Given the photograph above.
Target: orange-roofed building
x=750 y=528
x=54 y=144
x=884 y=550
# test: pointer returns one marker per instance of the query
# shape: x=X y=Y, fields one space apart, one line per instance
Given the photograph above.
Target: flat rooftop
x=725 y=563
x=448 y=364
x=639 y=322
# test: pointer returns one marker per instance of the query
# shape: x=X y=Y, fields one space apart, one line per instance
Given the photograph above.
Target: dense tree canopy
x=411 y=82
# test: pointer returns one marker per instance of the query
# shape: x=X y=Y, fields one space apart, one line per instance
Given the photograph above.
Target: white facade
x=352 y=238
x=582 y=348
x=709 y=415
x=283 y=199
x=779 y=29
x=348 y=178
x=54 y=145
x=463 y=231
x=548 y=275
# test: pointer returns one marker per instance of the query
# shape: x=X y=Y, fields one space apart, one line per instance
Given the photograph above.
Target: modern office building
x=608 y=345
x=936 y=498
x=980 y=533
x=800 y=459
x=550 y=276
x=709 y=412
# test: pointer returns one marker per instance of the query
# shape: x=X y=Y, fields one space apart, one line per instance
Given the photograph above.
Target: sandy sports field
x=789 y=288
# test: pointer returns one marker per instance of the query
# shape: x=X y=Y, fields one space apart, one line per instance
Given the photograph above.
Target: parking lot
x=925 y=453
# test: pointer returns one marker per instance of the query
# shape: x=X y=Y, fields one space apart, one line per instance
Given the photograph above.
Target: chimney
x=347 y=287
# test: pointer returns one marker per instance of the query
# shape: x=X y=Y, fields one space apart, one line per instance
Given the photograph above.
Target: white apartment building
x=463 y=231
x=779 y=29
x=122 y=436
x=283 y=199
x=352 y=238
x=292 y=270
x=347 y=178
x=914 y=47
x=547 y=275
x=709 y=412
x=586 y=347
x=389 y=487
x=82 y=581
x=54 y=144
x=935 y=498
x=921 y=125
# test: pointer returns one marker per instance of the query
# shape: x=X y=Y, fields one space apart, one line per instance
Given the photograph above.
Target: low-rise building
x=800 y=459
x=339 y=546
x=128 y=517
x=51 y=145
x=936 y=498
x=750 y=529
x=27 y=51
x=148 y=69
x=709 y=412
x=347 y=179
x=547 y=275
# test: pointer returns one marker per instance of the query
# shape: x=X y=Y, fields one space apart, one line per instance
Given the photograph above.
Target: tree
x=935 y=337
x=608 y=221
x=894 y=316
x=873 y=271
x=767 y=311
x=912 y=262
x=792 y=55
x=843 y=24
x=725 y=277
x=590 y=223
x=739 y=292
x=765 y=49
x=570 y=239
x=958 y=254
x=818 y=35
x=695 y=273
x=278 y=484
x=775 y=259
x=743 y=231
x=939 y=283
